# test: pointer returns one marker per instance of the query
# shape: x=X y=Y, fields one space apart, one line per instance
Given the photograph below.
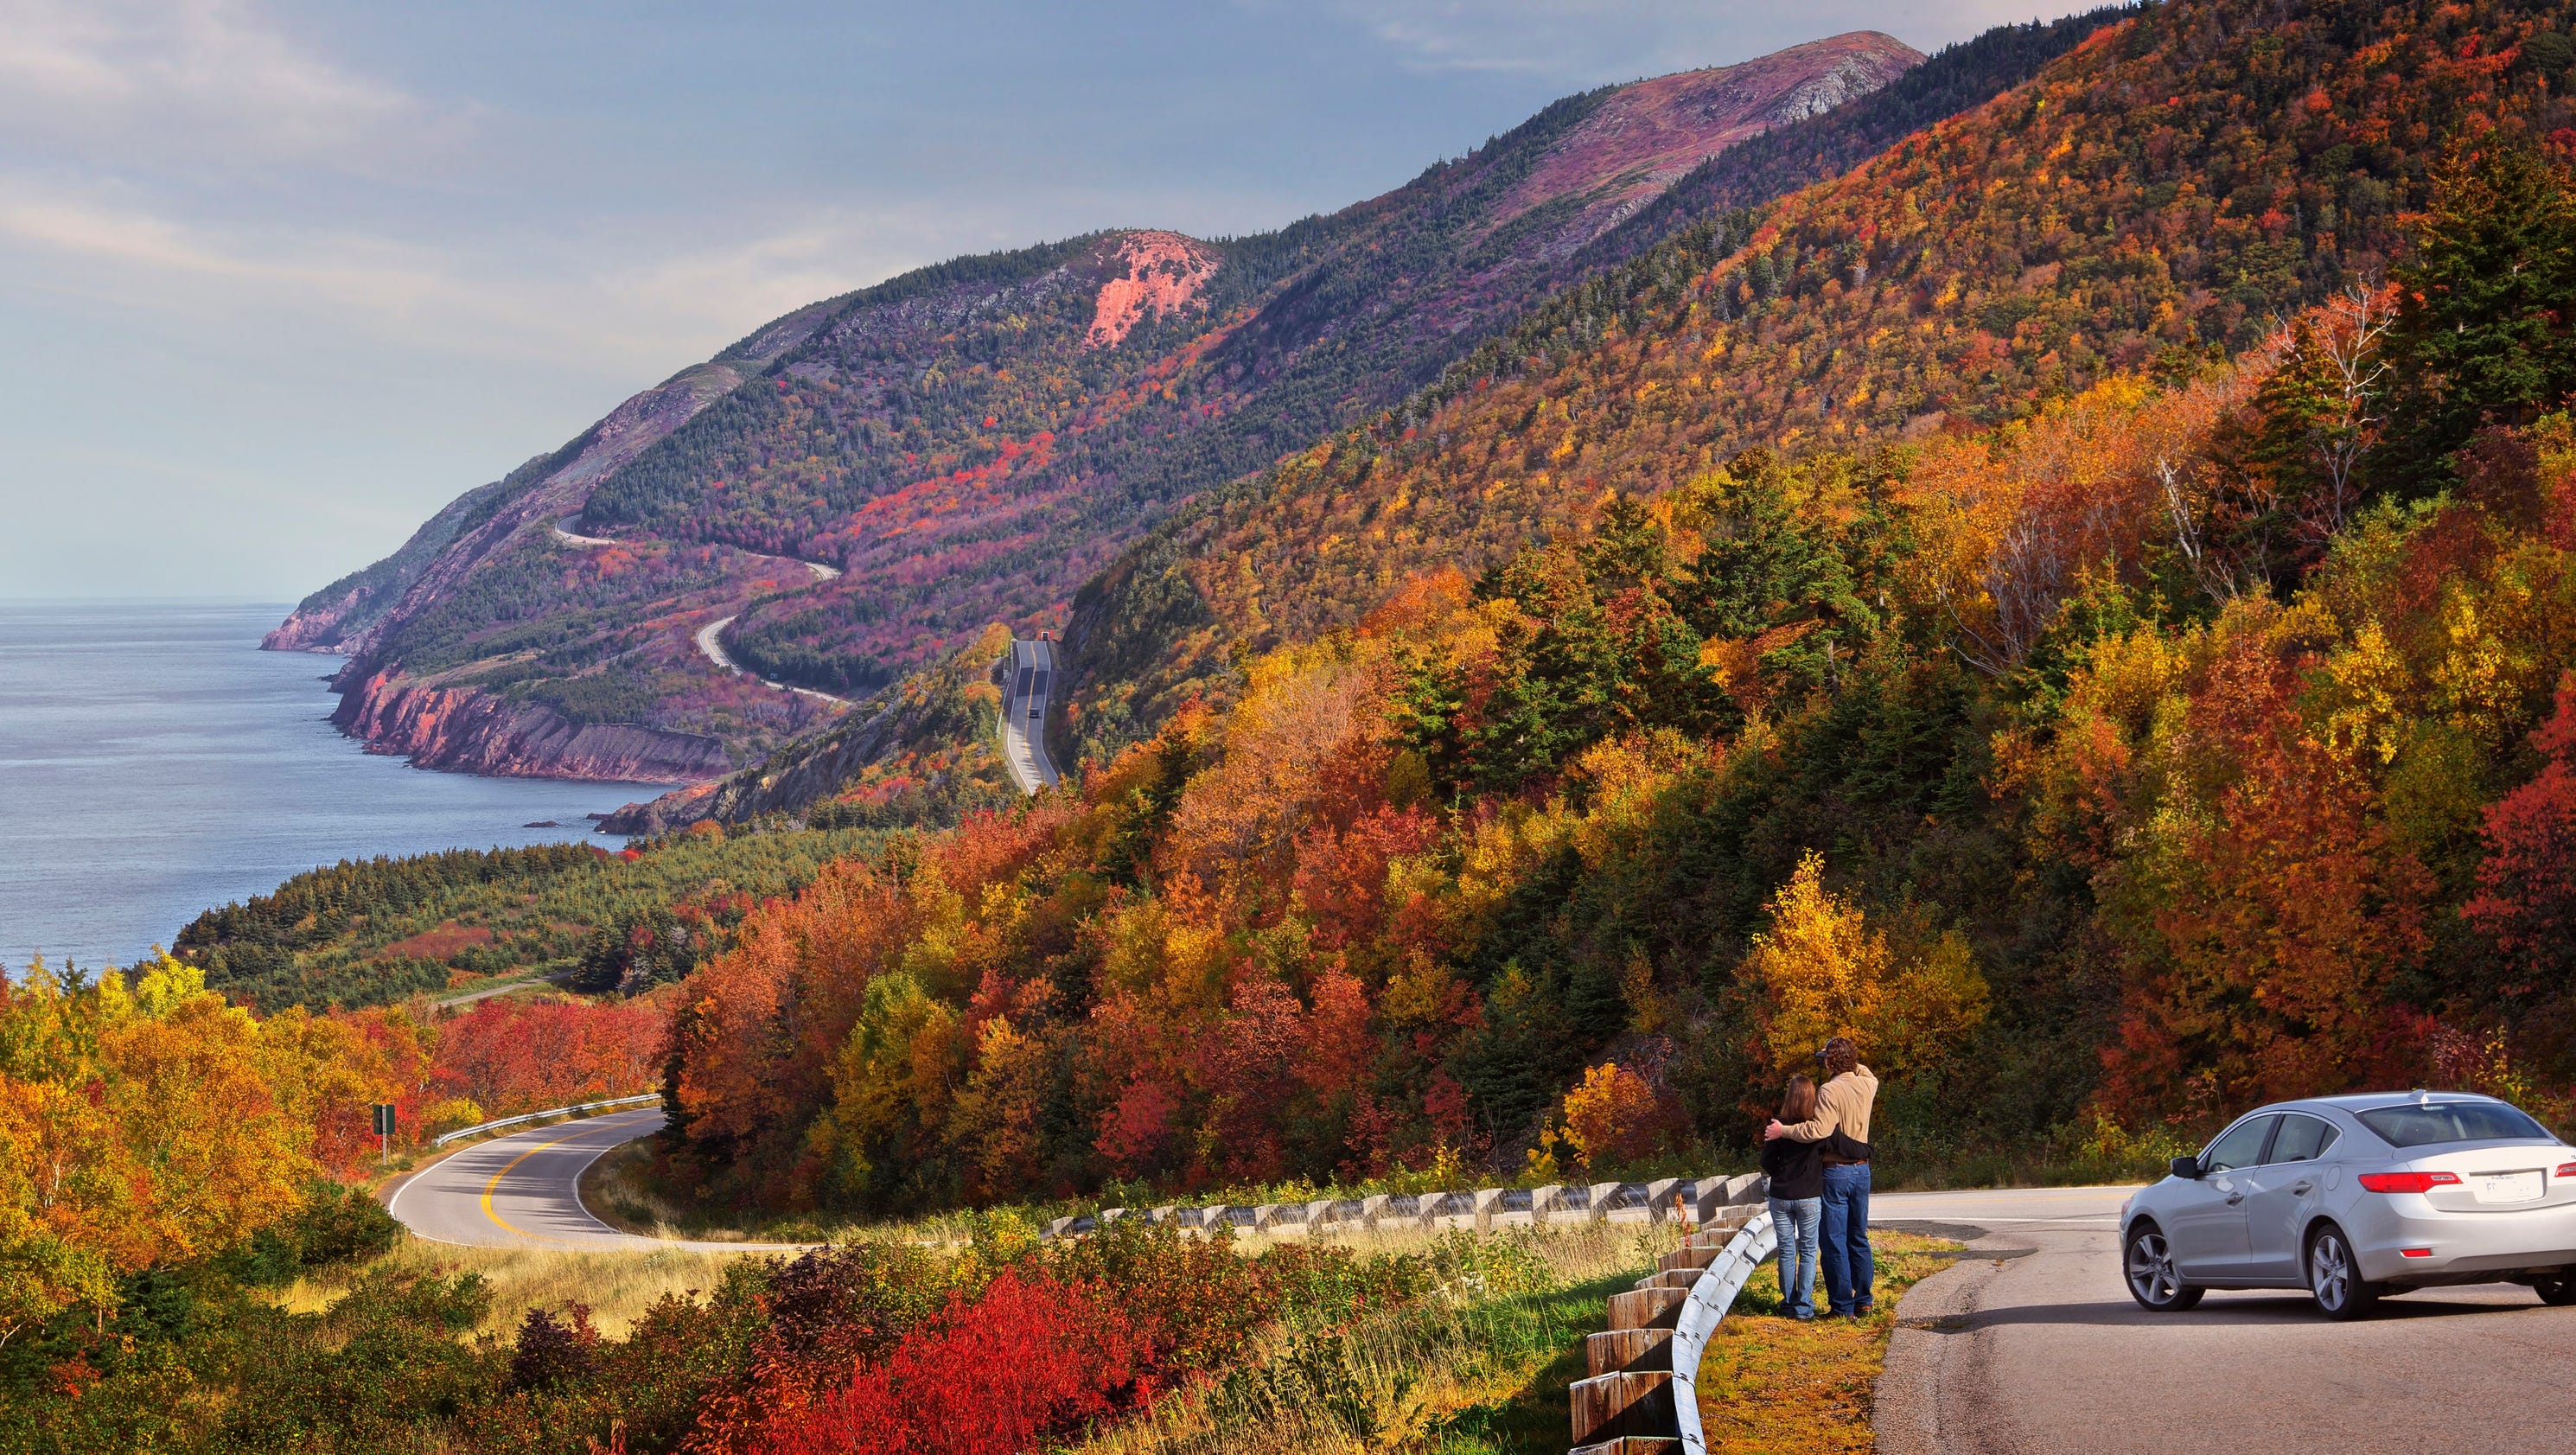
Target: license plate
x=2508 y=1186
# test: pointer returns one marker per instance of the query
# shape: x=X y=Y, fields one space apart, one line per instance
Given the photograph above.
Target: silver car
x=2351 y=1197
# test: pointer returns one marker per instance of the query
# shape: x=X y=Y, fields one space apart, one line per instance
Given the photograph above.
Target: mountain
x=1754 y=171
x=865 y=485
x=2159 y=196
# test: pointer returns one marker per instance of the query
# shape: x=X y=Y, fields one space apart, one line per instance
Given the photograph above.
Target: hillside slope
x=2163 y=192
x=2107 y=759
x=1159 y=611
x=967 y=443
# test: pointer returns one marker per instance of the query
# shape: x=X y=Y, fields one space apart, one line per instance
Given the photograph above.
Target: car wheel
x=2334 y=1276
x=2555 y=1292
x=2148 y=1262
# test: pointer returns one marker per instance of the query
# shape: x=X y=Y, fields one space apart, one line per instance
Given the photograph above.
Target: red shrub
x=1031 y=1359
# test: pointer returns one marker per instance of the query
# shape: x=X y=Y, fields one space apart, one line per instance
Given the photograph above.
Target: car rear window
x=2418 y=1125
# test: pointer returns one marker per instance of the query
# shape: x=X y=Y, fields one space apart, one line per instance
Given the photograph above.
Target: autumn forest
x=2079 y=595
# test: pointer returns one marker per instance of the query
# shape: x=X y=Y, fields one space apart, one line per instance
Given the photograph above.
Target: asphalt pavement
x=523 y=1191
x=1028 y=678
x=2037 y=1348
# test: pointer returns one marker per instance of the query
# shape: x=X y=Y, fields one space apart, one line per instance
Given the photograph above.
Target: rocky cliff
x=479 y=732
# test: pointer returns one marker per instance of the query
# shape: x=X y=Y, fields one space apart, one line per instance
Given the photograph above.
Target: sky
x=278 y=278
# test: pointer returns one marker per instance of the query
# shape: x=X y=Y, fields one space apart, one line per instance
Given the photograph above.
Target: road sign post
x=384 y=1111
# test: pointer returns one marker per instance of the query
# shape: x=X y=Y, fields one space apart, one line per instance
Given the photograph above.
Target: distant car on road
x=2353 y=1197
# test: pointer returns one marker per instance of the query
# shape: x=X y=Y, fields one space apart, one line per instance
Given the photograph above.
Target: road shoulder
x=1928 y=1395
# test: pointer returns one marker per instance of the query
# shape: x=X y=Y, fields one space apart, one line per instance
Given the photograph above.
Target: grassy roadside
x=1486 y=1372
x=616 y=1287
x=1481 y=1365
x=1772 y=1384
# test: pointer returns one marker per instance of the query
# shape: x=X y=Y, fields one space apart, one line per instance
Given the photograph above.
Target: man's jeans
x=1850 y=1272
x=1793 y=1222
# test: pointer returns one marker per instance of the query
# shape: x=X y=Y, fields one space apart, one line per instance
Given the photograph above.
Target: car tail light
x=2407 y=1181
x=2567 y=1169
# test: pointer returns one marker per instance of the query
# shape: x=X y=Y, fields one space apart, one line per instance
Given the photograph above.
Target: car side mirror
x=2187 y=1168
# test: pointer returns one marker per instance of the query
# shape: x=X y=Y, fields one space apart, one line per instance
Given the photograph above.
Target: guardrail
x=1481 y=1208
x=1643 y=1391
x=537 y=1116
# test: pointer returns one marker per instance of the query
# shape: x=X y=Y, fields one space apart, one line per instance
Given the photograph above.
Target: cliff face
x=477 y=732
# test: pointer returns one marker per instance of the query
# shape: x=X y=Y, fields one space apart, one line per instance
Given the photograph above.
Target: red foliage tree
x=512 y=1056
x=2526 y=899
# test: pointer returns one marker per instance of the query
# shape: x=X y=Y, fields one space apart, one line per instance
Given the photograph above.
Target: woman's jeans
x=1850 y=1272
x=1793 y=1222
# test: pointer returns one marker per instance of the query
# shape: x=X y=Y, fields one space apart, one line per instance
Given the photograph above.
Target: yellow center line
x=495 y=1185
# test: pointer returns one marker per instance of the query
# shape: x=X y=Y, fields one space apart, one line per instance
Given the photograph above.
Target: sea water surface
x=154 y=763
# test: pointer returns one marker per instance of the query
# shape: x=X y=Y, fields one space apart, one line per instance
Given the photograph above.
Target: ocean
x=154 y=763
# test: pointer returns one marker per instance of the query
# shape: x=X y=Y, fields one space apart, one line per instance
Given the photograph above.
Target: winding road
x=1028 y=676
x=567 y=532
x=523 y=1191
x=2037 y=1349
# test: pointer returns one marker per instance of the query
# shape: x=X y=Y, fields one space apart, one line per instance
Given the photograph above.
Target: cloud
x=1588 y=41
x=574 y=302
x=151 y=84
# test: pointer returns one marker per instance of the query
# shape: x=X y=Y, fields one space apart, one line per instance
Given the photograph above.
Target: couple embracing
x=1817 y=1155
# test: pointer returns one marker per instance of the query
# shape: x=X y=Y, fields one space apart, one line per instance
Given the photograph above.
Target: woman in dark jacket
x=1797 y=1188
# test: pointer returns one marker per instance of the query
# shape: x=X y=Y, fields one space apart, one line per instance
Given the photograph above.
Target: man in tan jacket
x=1843 y=1105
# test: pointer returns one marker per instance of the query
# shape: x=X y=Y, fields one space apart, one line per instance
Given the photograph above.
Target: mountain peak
x=1646 y=135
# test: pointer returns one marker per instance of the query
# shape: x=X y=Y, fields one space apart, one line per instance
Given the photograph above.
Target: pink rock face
x=465 y=730
x=1163 y=272
x=316 y=629
x=1643 y=139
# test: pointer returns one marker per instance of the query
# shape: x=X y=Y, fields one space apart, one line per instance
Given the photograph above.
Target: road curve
x=714 y=651
x=523 y=1191
x=567 y=533
x=1028 y=675
x=2040 y=1350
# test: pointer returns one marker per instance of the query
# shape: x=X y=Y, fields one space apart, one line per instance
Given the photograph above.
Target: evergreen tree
x=2486 y=326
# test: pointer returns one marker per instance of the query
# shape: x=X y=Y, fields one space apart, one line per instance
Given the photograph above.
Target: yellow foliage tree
x=137 y=1126
x=1613 y=1116
x=1820 y=970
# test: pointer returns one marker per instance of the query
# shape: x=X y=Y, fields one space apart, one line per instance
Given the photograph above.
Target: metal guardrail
x=1710 y=1298
x=537 y=1116
x=1643 y=1201
x=1642 y=1395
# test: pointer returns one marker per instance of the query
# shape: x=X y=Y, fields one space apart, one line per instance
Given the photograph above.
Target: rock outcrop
x=1644 y=137
x=470 y=731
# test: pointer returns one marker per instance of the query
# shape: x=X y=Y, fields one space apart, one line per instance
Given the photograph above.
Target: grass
x=617 y=1287
x=1487 y=1373
x=1771 y=1384
x=1481 y=1365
